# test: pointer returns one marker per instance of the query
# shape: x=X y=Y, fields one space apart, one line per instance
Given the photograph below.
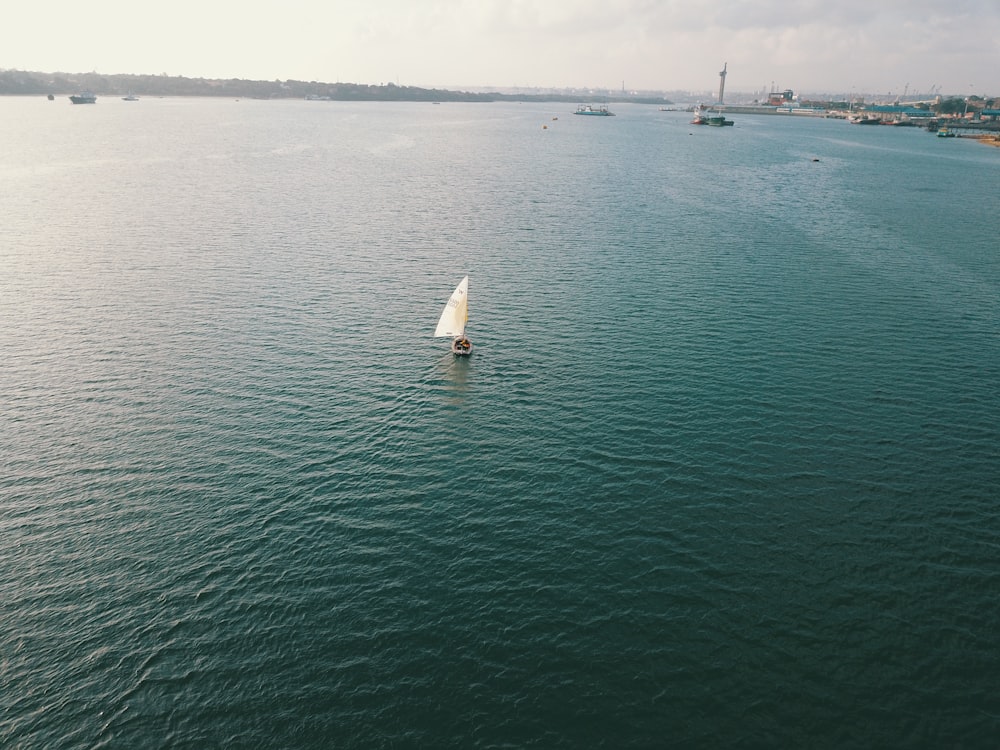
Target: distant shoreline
x=31 y=83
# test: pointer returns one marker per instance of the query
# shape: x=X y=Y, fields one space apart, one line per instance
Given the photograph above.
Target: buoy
x=545 y=127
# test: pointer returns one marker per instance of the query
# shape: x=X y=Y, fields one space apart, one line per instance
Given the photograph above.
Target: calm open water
x=722 y=471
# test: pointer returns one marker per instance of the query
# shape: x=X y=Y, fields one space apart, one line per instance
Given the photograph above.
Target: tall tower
x=722 y=81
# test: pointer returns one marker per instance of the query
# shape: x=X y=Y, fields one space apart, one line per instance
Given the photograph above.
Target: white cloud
x=810 y=45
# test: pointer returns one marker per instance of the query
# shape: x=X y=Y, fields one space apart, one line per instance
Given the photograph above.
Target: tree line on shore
x=28 y=83
x=24 y=83
x=15 y=82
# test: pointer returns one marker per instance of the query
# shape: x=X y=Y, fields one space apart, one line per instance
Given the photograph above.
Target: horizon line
x=486 y=88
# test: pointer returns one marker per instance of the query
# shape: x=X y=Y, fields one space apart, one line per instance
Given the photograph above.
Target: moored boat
x=84 y=97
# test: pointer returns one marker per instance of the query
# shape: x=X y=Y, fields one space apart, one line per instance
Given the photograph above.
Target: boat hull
x=461 y=347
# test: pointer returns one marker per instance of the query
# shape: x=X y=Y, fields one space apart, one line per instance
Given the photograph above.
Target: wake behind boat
x=454 y=319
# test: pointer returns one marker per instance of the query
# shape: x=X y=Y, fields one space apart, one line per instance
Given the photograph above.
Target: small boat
x=945 y=133
x=454 y=318
x=590 y=109
x=130 y=98
x=84 y=97
x=699 y=119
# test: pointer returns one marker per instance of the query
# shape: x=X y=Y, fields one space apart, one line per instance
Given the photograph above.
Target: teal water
x=722 y=470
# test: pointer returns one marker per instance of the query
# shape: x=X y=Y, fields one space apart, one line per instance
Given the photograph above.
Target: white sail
x=456 y=312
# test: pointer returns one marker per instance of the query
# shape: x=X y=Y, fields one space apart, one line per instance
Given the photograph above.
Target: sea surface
x=722 y=471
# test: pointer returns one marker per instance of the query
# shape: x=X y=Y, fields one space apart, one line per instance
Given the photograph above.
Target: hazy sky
x=812 y=46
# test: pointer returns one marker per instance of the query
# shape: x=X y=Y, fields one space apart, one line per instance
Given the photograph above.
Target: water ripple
x=721 y=469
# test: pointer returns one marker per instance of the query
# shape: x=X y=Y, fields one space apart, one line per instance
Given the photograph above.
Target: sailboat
x=454 y=318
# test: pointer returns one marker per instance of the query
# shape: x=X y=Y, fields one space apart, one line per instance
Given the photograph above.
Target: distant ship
x=718 y=120
x=84 y=97
x=589 y=109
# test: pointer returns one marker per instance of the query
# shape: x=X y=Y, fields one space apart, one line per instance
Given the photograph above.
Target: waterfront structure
x=898 y=113
x=781 y=98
